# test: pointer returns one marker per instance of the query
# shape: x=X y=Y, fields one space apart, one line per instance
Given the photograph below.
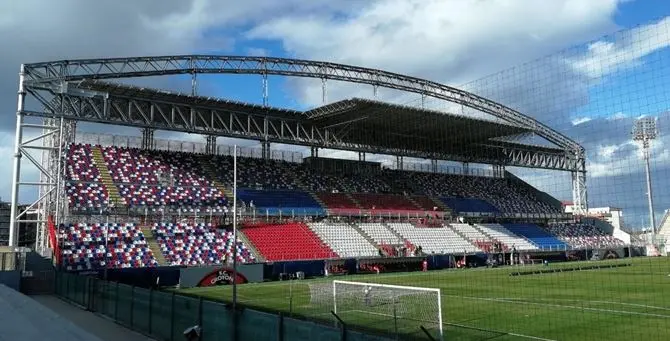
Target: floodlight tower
x=645 y=131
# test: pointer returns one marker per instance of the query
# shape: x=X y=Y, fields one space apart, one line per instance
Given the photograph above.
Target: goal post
x=361 y=301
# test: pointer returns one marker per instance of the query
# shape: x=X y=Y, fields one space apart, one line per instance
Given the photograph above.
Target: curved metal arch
x=108 y=68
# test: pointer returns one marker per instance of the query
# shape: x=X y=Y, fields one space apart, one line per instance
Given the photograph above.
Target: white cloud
x=448 y=41
x=616 y=116
x=606 y=57
x=578 y=121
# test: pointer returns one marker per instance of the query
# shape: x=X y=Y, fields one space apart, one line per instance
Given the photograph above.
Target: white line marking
x=597 y=302
x=622 y=312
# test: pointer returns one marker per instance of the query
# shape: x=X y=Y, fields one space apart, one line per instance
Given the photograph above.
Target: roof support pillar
x=399 y=159
x=579 y=193
x=265 y=150
x=466 y=168
x=147 y=138
x=433 y=165
x=210 y=145
x=361 y=156
x=314 y=151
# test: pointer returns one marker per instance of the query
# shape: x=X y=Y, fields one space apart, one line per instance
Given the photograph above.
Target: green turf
x=625 y=303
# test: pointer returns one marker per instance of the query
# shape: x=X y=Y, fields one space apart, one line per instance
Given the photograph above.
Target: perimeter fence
x=165 y=315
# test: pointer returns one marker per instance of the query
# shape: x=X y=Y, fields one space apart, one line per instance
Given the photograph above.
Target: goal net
x=370 y=303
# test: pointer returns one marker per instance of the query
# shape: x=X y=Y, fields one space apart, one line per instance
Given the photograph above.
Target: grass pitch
x=624 y=303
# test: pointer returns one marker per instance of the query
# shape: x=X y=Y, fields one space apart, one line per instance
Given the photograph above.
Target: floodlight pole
x=234 y=229
x=645 y=131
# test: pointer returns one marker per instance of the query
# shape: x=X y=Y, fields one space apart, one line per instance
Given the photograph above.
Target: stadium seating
x=80 y=165
x=583 y=236
x=291 y=241
x=505 y=236
x=463 y=205
x=86 y=196
x=337 y=200
x=344 y=240
x=198 y=244
x=537 y=235
x=156 y=178
x=83 y=186
x=84 y=246
x=177 y=179
x=380 y=234
x=375 y=201
x=439 y=240
x=287 y=202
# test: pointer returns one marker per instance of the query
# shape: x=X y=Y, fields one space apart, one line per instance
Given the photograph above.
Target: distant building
x=4 y=223
x=27 y=231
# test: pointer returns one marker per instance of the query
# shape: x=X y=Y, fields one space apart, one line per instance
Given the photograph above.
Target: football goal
x=408 y=308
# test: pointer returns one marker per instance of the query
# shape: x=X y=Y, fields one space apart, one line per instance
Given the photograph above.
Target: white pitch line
x=597 y=302
x=614 y=311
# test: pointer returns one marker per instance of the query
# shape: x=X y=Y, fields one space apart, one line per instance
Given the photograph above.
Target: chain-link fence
x=166 y=315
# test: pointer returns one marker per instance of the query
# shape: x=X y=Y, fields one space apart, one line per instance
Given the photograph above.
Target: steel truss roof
x=57 y=85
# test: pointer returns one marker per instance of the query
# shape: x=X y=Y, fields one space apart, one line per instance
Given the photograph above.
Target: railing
x=165 y=315
x=183 y=146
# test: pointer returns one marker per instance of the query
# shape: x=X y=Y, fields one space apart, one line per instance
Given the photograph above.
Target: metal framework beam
x=152 y=114
x=71 y=70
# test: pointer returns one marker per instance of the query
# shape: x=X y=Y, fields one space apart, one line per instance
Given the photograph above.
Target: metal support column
x=265 y=150
x=466 y=168
x=147 y=138
x=361 y=156
x=579 y=193
x=324 y=91
x=13 y=223
x=399 y=162
x=210 y=145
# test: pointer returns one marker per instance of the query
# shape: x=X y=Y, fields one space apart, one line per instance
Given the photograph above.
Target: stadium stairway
x=106 y=177
x=314 y=196
x=365 y=235
x=358 y=205
x=493 y=239
x=153 y=245
x=441 y=206
x=243 y=238
x=212 y=175
x=395 y=233
x=460 y=234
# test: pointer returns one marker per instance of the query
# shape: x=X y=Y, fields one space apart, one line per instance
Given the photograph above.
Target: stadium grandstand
x=139 y=223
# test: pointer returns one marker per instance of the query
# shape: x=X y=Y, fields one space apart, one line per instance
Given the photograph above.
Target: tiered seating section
x=434 y=240
x=84 y=246
x=83 y=186
x=276 y=202
x=197 y=183
x=583 y=236
x=538 y=236
x=155 y=178
x=199 y=244
x=344 y=239
x=380 y=234
x=507 y=237
x=289 y=241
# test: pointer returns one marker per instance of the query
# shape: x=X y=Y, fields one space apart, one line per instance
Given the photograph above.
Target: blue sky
x=496 y=48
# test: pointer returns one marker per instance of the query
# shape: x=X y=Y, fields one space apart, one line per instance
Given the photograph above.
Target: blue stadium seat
x=286 y=202
x=537 y=235
x=469 y=205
